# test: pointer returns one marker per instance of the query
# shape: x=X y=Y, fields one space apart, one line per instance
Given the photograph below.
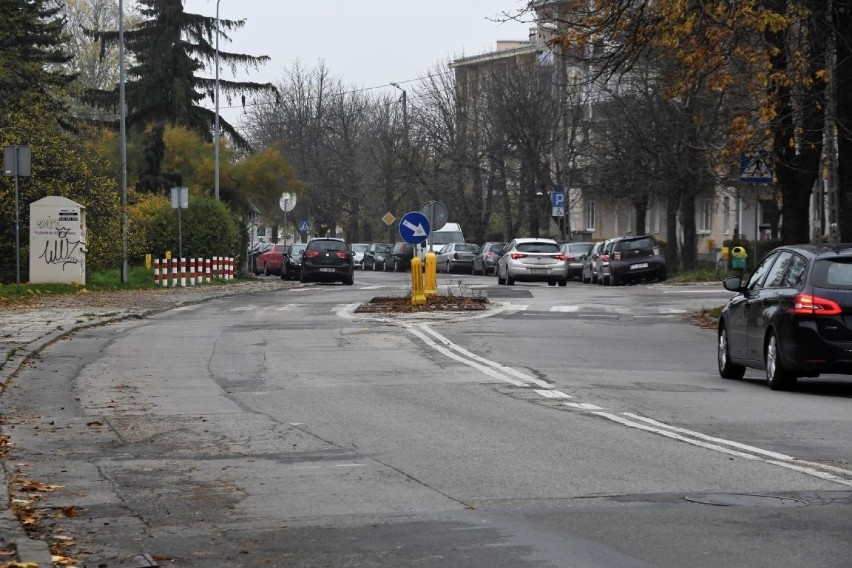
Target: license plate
x=326 y=270
x=640 y=265
x=538 y=270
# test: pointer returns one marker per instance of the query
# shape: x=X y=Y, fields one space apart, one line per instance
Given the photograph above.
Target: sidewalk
x=25 y=331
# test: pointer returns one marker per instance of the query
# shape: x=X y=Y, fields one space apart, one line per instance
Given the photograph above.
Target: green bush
x=207 y=227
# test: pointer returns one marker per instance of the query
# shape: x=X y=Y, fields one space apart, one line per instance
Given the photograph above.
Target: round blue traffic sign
x=414 y=227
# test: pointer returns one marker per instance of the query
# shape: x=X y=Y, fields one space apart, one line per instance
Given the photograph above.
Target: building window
x=726 y=215
x=590 y=215
x=705 y=215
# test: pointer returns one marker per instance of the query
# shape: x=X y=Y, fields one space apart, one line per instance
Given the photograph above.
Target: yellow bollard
x=431 y=284
x=418 y=298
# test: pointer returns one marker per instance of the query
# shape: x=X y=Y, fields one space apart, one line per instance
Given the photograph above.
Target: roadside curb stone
x=26 y=331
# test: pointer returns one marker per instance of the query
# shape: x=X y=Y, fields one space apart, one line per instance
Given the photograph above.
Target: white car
x=532 y=260
x=358 y=250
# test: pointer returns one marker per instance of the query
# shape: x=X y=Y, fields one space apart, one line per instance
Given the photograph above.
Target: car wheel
x=349 y=280
x=777 y=377
x=500 y=279
x=612 y=280
x=396 y=266
x=551 y=282
x=727 y=370
x=509 y=280
x=563 y=282
x=283 y=274
x=448 y=267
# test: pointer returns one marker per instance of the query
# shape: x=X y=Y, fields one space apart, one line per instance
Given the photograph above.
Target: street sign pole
x=17 y=162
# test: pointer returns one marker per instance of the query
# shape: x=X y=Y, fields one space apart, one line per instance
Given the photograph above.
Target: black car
x=375 y=256
x=400 y=257
x=635 y=258
x=328 y=260
x=792 y=318
x=485 y=261
x=292 y=267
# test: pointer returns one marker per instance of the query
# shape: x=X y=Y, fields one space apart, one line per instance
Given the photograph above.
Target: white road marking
x=564 y=308
x=491 y=372
x=669 y=433
x=187 y=308
x=552 y=394
x=583 y=405
x=288 y=307
x=376 y=287
x=244 y=308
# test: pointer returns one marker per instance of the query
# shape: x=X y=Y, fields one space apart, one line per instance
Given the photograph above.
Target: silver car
x=455 y=256
x=532 y=260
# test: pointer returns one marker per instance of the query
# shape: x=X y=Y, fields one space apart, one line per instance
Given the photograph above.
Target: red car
x=271 y=260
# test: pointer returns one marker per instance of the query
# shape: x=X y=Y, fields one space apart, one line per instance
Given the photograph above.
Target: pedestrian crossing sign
x=755 y=167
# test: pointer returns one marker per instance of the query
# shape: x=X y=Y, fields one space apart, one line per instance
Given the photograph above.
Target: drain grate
x=747 y=500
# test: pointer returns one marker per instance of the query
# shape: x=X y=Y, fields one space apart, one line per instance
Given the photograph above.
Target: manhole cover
x=745 y=500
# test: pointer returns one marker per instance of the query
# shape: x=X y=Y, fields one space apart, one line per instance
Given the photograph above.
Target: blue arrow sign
x=414 y=227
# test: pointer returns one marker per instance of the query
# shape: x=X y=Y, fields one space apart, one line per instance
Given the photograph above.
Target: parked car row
x=624 y=260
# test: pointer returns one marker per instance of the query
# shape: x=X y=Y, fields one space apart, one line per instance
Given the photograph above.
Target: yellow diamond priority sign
x=388 y=218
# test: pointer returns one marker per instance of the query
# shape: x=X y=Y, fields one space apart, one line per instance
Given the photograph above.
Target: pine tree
x=170 y=48
x=31 y=50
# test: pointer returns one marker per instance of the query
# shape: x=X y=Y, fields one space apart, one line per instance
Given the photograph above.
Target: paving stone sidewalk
x=27 y=329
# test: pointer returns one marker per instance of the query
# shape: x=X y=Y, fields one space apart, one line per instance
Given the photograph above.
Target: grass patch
x=703 y=275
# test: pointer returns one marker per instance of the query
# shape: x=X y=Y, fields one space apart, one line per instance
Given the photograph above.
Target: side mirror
x=733 y=284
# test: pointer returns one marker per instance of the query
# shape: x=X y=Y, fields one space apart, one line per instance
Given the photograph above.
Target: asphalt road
x=578 y=426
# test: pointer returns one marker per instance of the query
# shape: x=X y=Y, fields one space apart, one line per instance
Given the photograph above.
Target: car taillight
x=807 y=304
x=604 y=258
x=616 y=256
x=489 y=254
x=559 y=256
x=342 y=254
x=518 y=255
x=310 y=253
x=570 y=258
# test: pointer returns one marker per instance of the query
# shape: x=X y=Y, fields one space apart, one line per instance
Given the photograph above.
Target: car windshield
x=635 y=244
x=833 y=273
x=548 y=248
x=327 y=245
x=466 y=248
x=297 y=249
x=581 y=248
x=445 y=237
x=383 y=248
x=359 y=247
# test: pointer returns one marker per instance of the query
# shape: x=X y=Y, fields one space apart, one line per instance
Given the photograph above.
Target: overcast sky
x=365 y=43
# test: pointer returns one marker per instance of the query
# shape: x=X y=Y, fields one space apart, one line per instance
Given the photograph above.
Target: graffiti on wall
x=63 y=245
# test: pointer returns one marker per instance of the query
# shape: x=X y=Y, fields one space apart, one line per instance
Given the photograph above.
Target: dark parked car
x=792 y=318
x=456 y=256
x=589 y=273
x=575 y=254
x=485 y=261
x=636 y=258
x=271 y=260
x=292 y=269
x=375 y=256
x=328 y=260
x=400 y=257
x=602 y=262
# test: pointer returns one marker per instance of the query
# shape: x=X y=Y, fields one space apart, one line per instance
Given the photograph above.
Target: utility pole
x=122 y=136
x=406 y=145
x=829 y=145
x=216 y=125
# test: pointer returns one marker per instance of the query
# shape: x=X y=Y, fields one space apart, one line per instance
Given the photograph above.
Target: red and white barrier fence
x=192 y=271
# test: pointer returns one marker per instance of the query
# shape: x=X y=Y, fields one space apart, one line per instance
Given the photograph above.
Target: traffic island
x=437 y=303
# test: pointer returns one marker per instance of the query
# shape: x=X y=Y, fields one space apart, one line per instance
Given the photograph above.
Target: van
x=449 y=233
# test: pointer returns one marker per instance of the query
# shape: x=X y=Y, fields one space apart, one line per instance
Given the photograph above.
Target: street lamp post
x=216 y=125
x=405 y=132
x=125 y=277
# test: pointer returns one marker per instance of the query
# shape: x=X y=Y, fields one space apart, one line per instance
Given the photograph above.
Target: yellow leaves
x=822 y=74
